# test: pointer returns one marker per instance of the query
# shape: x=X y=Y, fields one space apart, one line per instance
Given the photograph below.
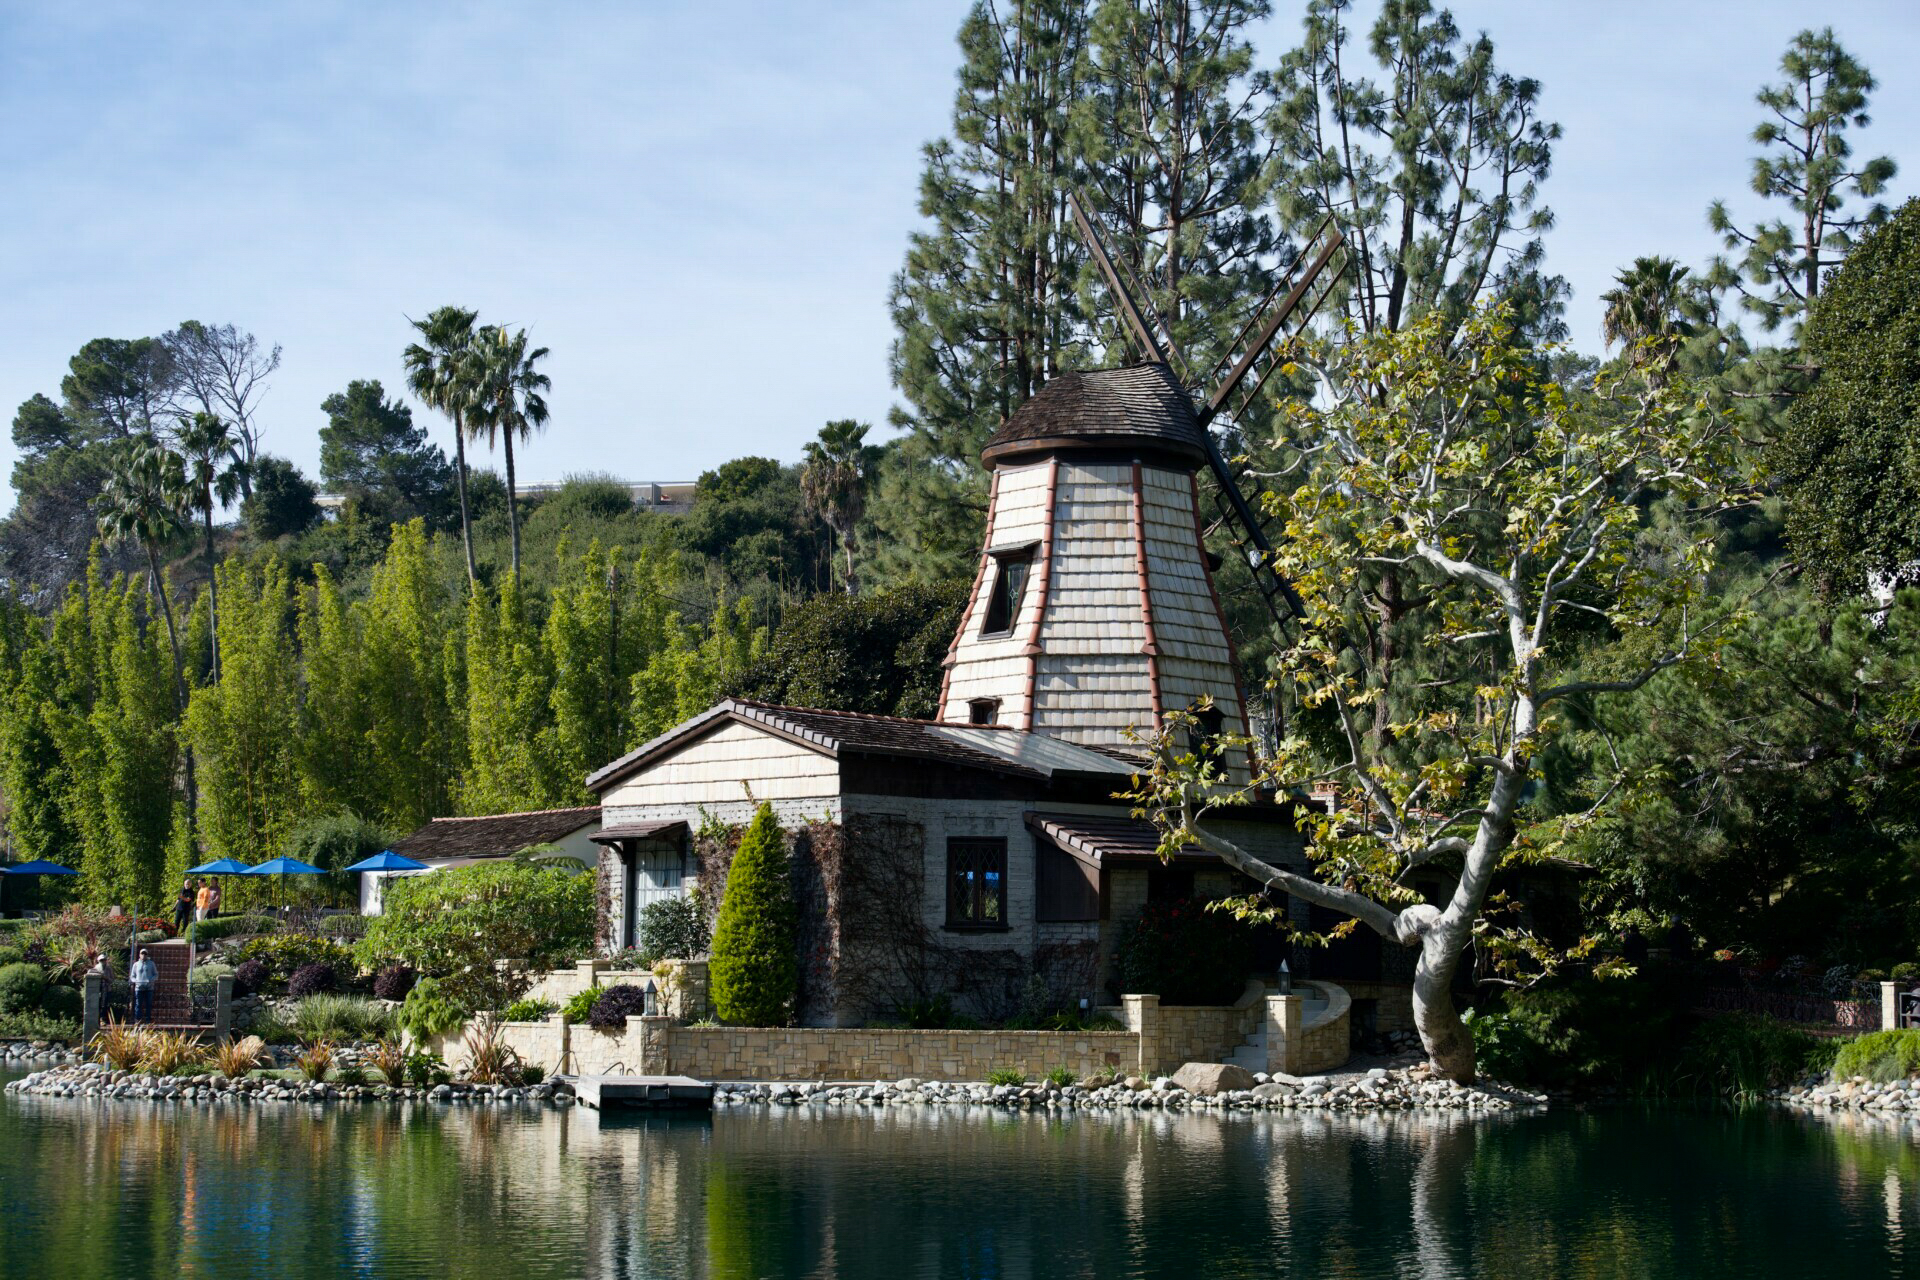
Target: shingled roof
x=1141 y=407
x=495 y=836
x=992 y=747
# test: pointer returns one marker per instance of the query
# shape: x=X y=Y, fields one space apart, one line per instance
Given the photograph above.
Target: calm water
x=128 y=1189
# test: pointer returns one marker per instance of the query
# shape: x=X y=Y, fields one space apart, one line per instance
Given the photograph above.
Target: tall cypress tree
x=756 y=962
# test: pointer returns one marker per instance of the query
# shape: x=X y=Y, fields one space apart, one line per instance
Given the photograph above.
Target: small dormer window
x=1009 y=585
x=983 y=711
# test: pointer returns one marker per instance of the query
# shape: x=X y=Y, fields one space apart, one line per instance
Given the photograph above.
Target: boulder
x=1208 y=1079
x=1137 y=1084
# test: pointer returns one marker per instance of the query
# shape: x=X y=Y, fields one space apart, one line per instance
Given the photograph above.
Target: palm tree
x=212 y=453
x=145 y=501
x=507 y=402
x=436 y=372
x=833 y=482
x=1651 y=311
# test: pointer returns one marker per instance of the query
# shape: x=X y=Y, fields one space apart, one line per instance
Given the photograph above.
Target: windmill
x=1287 y=307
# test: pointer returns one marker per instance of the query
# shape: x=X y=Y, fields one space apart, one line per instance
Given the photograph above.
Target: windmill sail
x=1304 y=293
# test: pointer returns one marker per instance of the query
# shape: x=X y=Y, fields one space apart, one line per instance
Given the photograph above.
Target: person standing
x=183 y=908
x=145 y=974
x=104 y=967
x=203 y=901
x=213 y=899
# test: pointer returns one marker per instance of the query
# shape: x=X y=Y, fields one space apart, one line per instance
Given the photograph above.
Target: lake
x=135 y=1189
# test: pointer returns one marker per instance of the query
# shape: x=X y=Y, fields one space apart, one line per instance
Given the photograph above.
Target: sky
x=698 y=208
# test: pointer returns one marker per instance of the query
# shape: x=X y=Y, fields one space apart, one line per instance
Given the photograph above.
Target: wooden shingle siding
x=713 y=769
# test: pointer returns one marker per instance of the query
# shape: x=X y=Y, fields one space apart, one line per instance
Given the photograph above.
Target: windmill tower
x=1094 y=609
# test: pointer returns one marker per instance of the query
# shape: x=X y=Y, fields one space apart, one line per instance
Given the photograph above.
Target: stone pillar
x=683 y=989
x=1889 y=1006
x=222 y=1007
x=590 y=971
x=1143 y=1019
x=1285 y=1017
x=651 y=1038
x=96 y=1003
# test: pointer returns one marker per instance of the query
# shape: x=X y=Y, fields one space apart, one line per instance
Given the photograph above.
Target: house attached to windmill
x=956 y=858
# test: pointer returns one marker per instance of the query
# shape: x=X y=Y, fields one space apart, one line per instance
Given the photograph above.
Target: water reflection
x=130 y=1189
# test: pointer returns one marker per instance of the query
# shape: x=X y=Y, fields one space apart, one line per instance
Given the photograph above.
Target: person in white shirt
x=144 y=976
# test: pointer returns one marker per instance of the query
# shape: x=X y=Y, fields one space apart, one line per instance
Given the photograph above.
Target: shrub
x=528 y=1010
x=222 y=927
x=331 y=842
x=343 y=926
x=205 y=976
x=433 y=1009
x=39 y=1026
x=63 y=1002
x=1185 y=954
x=310 y=980
x=1870 y=975
x=455 y=924
x=119 y=1044
x=1061 y=1077
x=165 y=1052
x=1879 y=1055
x=390 y=1060
x=671 y=929
x=615 y=1005
x=532 y=1073
x=314 y=1061
x=11 y=955
x=236 y=1058
x=249 y=977
x=394 y=981
x=285 y=954
x=755 y=970
x=351 y=1075
x=424 y=1069
x=1904 y=972
x=932 y=1014
x=340 y=1018
x=1006 y=1076
x=21 y=985
x=1743 y=1056
x=580 y=1004
x=490 y=1060
x=150 y=935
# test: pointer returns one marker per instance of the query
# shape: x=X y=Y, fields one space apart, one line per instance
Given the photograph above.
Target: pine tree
x=755 y=969
x=984 y=308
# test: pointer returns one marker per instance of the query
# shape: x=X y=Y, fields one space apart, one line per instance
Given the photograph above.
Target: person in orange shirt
x=203 y=901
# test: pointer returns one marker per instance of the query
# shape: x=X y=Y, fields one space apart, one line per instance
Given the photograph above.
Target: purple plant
x=311 y=980
x=394 y=981
x=615 y=1005
x=250 y=977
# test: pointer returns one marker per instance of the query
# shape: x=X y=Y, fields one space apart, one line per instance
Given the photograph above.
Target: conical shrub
x=755 y=965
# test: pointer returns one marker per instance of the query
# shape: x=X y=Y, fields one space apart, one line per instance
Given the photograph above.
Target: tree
x=438 y=372
x=506 y=402
x=1433 y=173
x=335 y=736
x=510 y=764
x=749 y=518
x=1808 y=162
x=833 y=480
x=122 y=387
x=375 y=458
x=283 y=503
x=1519 y=508
x=214 y=459
x=144 y=503
x=225 y=371
x=755 y=969
x=984 y=308
x=39 y=427
x=880 y=653
x=408 y=672
x=686 y=676
x=1848 y=456
x=605 y=622
x=1651 y=310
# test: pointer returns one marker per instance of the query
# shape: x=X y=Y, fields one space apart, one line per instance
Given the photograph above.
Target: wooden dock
x=656 y=1093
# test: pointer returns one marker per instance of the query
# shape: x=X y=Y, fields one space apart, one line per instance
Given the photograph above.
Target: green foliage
x=1006 y=1076
x=284 y=954
x=373 y=455
x=1906 y=971
x=1742 y=1057
x=341 y=1018
x=426 y=1069
x=754 y=969
x=510 y=761
x=205 y=931
x=453 y=925
x=206 y=976
x=1061 y=1077
x=11 y=955
x=21 y=986
x=1849 y=457
x=879 y=653
x=33 y=1025
x=528 y=1011
x=432 y=1009
x=671 y=929
x=1184 y=953
x=1879 y=1055
x=580 y=1004
x=60 y=1000
x=1578 y=1033
x=283 y=504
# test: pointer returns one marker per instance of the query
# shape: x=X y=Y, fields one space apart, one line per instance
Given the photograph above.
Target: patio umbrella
x=40 y=867
x=284 y=867
x=220 y=867
x=388 y=861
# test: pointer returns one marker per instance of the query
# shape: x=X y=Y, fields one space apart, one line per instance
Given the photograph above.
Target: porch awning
x=1102 y=841
x=638 y=831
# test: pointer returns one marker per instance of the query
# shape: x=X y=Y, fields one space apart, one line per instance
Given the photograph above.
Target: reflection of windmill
x=1287 y=307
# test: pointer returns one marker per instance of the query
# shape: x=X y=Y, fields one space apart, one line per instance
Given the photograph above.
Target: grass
x=1007 y=1076
x=1879 y=1055
x=337 y=1017
x=1061 y=1077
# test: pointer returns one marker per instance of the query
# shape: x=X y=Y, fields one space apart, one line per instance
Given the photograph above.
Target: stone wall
x=1207 y=1033
x=1392 y=1002
x=1297 y=1045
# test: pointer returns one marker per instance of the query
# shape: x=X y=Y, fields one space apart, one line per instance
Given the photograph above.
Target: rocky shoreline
x=1856 y=1094
x=92 y=1080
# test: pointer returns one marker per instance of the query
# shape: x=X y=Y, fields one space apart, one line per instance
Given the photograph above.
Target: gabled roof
x=835 y=733
x=1141 y=407
x=495 y=836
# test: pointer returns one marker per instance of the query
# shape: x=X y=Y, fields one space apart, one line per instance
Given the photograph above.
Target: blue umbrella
x=388 y=861
x=40 y=867
x=220 y=867
x=284 y=867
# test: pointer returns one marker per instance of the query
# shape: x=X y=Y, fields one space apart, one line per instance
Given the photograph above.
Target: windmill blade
x=1129 y=311
x=1278 y=320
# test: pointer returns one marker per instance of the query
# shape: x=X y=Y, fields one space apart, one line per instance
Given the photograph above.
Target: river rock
x=1210 y=1079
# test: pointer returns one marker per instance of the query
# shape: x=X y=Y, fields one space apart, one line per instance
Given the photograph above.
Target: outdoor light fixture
x=651 y=991
x=1286 y=979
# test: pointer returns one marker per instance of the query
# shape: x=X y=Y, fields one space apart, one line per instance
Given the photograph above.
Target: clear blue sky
x=697 y=207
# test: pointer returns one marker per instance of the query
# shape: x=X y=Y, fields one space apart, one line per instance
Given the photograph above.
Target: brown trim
x=1151 y=646
x=1043 y=591
x=1233 y=656
x=973 y=599
x=1117 y=445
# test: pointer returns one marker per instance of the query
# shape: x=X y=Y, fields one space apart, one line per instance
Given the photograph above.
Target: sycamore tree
x=1519 y=509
